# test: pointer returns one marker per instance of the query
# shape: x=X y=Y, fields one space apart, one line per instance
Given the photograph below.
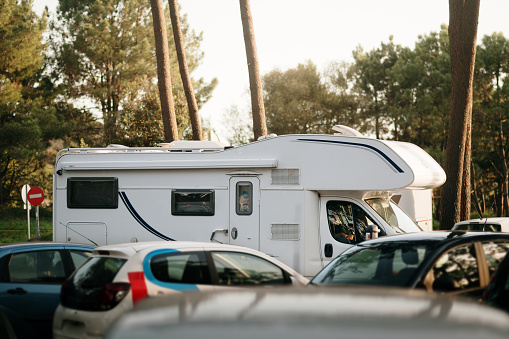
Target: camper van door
x=244 y=228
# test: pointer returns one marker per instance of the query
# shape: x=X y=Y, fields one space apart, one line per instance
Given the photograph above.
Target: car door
x=30 y=289
x=460 y=270
x=30 y=282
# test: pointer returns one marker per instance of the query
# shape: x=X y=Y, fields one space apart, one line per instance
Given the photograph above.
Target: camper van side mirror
x=328 y=250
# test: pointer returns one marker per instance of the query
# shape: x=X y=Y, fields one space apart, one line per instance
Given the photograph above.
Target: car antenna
x=478 y=208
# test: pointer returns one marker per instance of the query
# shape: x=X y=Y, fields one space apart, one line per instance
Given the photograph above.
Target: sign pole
x=28 y=218
x=37 y=221
x=35 y=197
x=24 y=196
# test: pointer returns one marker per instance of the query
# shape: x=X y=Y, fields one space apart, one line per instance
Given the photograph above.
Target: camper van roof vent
x=116 y=146
x=267 y=136
x=346 y=131
x=193 y=146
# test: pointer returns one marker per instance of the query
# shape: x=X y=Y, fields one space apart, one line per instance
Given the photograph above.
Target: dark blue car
x=456 y=263
x=30 y=278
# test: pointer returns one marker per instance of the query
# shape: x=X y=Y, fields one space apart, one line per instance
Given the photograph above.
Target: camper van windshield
x=394 y=215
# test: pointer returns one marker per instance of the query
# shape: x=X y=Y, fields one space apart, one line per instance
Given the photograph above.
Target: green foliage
x=490 y=125
x=240 y=125
x=105 y=51
x=20 y=40
x=140 y=119
x=14 y=225
x=27 y=123
x=300 y=100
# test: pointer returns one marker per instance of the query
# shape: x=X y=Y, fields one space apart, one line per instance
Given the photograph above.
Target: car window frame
x=215 y=277
x=482 y=267
x=5 y=276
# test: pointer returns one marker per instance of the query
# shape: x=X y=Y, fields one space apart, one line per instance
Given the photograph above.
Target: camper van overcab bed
x=300 y=198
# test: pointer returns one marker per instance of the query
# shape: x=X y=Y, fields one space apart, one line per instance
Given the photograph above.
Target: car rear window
x=479 y=227
x=83 y=291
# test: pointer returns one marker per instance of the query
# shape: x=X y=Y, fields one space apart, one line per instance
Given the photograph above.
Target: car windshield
x=394 y=215
x=388 y=264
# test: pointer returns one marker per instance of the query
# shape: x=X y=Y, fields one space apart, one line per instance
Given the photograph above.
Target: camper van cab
x=302 y=199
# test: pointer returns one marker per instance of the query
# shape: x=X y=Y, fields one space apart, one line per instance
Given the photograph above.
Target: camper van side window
x=192 y=202
x=92 y=192
x=244 y=200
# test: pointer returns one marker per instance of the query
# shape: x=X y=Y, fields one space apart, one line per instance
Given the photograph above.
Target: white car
x=500 y=224
x=116 y=277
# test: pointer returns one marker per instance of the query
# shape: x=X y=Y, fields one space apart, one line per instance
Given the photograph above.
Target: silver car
x=294 y=313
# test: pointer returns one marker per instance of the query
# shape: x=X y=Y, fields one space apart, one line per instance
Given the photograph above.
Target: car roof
x=126 y=250
x=38 y=245
x=364 y=310
x=438 y=237
x=131 y=248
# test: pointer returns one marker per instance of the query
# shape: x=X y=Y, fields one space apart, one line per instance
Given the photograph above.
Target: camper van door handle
x=235 y=232
x=225 y=231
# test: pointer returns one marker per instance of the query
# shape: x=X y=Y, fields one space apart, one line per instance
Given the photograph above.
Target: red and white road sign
x=35 y=196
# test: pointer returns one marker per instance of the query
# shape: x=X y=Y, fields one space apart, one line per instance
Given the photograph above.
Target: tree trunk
x=504 y=171
x=466 y=199
x=463 y=19
x=184 y=71
x=255 y=83
x=163 y=72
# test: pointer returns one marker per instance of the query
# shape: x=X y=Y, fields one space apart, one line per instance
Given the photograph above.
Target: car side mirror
x=328 y=250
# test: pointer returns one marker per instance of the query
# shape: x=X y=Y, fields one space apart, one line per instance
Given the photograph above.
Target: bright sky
x=289 y=32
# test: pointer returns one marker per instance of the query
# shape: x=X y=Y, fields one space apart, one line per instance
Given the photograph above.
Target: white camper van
x=300 y=198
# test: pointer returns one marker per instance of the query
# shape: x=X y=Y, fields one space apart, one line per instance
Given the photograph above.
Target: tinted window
x=192 y=202
x=456 y=270
x=97 y=272
x=36 y=267
x=85 y=288
x=185 y=268
x=244 y=269
x=79 y=257
x=387 y=264
x=479 y=227
x=92 y=193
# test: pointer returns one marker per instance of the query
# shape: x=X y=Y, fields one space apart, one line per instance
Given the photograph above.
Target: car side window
x=456 y=270
x=181 y=267
x=36 y=267
x=495 y=253
x=347 y=222
x=234 y=269
x=79 y=257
